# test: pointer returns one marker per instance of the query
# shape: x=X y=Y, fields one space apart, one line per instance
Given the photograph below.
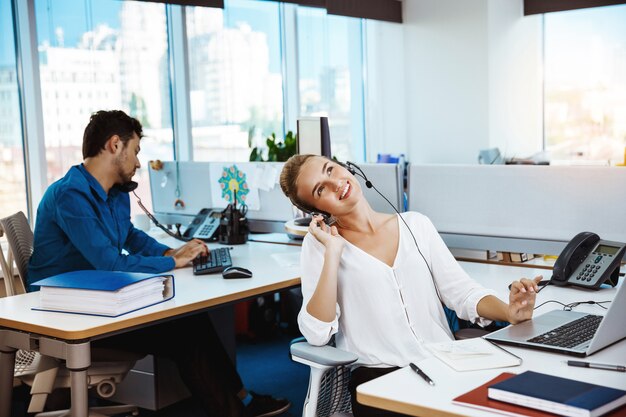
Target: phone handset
x=586 y=261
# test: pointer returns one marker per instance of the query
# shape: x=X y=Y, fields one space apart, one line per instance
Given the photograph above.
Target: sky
x=73 y=17
x=79 y=16
x=76 y=17
x=7 y=46
x=581 y=46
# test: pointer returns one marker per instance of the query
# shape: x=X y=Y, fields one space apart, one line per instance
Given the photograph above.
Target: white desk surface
x=274 y=267
x=404 y=391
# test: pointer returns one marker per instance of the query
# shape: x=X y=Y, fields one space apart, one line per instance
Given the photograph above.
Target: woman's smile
x=345 y=192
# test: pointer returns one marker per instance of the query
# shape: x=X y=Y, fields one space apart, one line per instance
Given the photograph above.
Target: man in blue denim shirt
x=83 y=222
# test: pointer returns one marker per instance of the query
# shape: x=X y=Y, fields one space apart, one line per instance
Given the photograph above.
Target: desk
x=68 y=336
x=405 y=392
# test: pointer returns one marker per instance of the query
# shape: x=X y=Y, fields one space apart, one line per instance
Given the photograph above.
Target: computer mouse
x=236 y=272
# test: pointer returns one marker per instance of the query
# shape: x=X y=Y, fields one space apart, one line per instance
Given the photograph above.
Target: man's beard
x=123 y=176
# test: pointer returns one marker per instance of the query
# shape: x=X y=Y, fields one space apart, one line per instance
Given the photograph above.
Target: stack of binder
x=103 y=293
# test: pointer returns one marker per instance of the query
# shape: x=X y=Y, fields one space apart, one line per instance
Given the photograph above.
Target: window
x=13 y=189
x=330 y=67
x=235 y=78
x=103 y=54
x=585 y=84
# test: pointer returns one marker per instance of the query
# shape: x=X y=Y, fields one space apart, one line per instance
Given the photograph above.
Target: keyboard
x=216 y=261
x=571 y=334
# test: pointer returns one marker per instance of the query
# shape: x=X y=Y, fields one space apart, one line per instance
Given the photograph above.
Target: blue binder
x=103 y=281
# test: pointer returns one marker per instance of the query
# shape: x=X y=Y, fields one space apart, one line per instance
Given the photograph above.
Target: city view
x=109 y=54
x=585 y=84
x=119 y=60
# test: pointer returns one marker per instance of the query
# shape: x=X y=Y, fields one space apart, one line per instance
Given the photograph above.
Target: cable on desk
x=570 y=306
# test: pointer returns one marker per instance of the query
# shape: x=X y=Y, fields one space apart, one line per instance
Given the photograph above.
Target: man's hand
x=522 y=299
x=187 y=252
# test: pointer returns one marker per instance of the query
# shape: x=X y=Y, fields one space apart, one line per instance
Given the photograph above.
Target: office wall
x=446 y=65
x=385 y=101
x=515 y=79
x=471 y=73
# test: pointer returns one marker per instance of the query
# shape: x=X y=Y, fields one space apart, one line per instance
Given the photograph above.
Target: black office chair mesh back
x=334 y=395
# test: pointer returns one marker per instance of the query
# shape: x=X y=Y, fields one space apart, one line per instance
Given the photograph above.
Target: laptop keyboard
x=216 y=261
x=571 y=334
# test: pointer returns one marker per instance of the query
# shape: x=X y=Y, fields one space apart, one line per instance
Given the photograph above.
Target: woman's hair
x=289 y=177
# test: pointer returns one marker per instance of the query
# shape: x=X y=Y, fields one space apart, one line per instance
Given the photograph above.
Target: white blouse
x=386 y=314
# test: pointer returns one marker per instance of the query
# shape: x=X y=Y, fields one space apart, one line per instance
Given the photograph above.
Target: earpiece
x=352 y=169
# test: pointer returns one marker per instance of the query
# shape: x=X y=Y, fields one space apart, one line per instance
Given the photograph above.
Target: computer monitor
x=313 y=136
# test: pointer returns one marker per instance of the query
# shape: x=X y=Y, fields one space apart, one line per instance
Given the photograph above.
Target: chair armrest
x=323 y=355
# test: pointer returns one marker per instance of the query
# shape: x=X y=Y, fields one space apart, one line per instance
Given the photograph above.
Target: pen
x=581 y=364
x=421 y=373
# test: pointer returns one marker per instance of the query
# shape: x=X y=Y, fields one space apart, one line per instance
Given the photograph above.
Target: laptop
x=569 y=332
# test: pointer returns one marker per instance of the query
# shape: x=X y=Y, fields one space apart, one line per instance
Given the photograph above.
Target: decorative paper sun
x=233 y=182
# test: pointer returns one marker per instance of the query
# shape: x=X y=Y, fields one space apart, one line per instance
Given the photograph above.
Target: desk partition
x=388 y=179
x=197 y=185
x=534 y=209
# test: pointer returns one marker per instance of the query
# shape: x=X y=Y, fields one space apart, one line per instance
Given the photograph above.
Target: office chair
x=42 y=373
x=328 y=394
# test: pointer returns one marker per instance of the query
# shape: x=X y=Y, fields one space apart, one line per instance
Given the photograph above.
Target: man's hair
x=103 y=124
x=288 y=180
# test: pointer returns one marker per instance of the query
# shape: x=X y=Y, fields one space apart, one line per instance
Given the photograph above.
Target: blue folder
x=95 y=280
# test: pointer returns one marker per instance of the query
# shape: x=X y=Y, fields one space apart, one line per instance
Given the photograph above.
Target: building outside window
x=585 y=84
x=236 y=81
x=12 y=174
x=107 y=55
x=330 y=68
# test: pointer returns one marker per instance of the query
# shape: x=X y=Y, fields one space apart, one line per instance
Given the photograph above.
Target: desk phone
x=587 y=261
x=204 y=226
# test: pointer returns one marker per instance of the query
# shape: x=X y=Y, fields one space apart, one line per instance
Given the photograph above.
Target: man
x=83 y=222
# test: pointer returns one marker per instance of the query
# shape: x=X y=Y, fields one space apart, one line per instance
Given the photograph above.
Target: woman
x=377 y=281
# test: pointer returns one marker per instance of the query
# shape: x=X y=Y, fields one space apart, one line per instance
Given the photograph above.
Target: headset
x=355 y=170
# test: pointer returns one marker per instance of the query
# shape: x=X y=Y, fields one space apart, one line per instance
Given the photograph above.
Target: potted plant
x=277 y=150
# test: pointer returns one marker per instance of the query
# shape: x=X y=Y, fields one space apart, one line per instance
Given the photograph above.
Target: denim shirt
x=80 y=227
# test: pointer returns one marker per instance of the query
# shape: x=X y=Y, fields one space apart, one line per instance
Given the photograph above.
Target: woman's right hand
x=326 y=235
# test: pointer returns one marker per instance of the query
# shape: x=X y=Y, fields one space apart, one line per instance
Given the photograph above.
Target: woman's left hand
x=522 y=299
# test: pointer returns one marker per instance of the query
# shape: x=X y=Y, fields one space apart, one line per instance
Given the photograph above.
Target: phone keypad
x=207 y=229
x=588 y=272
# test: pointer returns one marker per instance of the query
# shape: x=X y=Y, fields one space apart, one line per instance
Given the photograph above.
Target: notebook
x=539 y=333
x=554 y=394
x=477 y=398
x=103 y=293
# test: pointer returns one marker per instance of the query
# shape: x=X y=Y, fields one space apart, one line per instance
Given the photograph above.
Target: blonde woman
x=377 y=281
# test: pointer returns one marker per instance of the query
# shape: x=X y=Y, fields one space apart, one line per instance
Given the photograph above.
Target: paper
x=265 y=176
x=287 y=260
x=217 y=171
x=473 y=354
